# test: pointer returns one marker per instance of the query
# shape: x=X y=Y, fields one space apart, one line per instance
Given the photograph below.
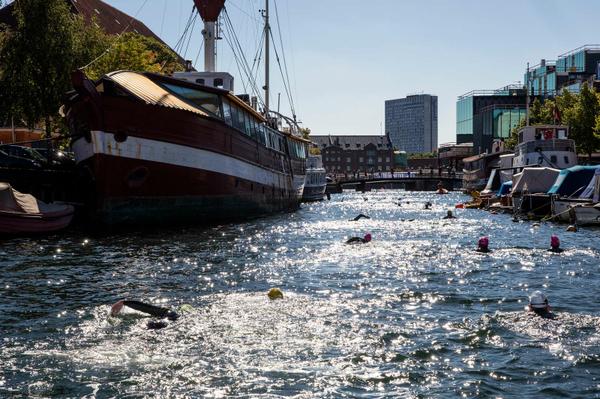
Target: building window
x=348 y=159
x=361 y=159
x=379 y=159
x=387 y=159
x=348 y=168
x=339 y=159
x=347 y=145
x=357 y=145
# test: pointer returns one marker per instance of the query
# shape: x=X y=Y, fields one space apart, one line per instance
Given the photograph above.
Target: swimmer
x=356 y=219
x=156 y=311
x=572 y=228
x=555 y=245
x=428 y=205
x=449 y=215
x=358 y=240
x=483 y=245
x=538 y=303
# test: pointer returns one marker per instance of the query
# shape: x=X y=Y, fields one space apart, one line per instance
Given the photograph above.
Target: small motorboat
x=24 y=214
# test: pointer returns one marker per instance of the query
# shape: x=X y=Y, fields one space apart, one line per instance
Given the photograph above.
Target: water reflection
x=416 y=312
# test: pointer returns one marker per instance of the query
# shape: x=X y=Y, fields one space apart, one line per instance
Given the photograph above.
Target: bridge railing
x=342 y=177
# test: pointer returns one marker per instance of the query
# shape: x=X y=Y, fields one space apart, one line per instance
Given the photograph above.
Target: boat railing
x=566 y=145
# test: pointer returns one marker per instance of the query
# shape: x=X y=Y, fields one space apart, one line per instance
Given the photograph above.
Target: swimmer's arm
x=152 y=310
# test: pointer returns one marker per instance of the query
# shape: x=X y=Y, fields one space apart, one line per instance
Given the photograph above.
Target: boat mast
x=267 y=59
x=209 y=11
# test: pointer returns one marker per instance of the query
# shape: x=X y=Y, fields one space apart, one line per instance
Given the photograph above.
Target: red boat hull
x=15 y=223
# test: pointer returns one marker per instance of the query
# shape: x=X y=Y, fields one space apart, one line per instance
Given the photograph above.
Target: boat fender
x=459 y=206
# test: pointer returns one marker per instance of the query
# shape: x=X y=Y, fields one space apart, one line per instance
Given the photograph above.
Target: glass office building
x=496 y=107
x=569 y=71
x=412 y=123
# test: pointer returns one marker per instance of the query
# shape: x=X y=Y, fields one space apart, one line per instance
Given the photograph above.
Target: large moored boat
x=165 y=149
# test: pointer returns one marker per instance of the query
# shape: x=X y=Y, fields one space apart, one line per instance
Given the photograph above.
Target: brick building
x=352 y=154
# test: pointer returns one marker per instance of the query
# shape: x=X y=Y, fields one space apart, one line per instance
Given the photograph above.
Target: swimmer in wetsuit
x=358 y=240
x=428 y=205
x=483 y=245
x=449 y=215
x=538 y=304
x=555 y=245
x=152 y=310
x=356 y=219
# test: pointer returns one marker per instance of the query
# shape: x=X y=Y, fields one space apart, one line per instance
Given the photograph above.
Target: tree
x=48 y=43
x=42 y=48
x=583 y=123
x=305 y=132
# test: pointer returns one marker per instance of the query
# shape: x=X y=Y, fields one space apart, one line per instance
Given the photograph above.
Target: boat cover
x=534 y=180
x=493 y=182
x=593 y=188
x=13 y=201
x=505 y=188
x=146 y=90
x=573 y=181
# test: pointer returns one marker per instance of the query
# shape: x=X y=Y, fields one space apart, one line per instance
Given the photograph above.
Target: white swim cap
x=538 y=300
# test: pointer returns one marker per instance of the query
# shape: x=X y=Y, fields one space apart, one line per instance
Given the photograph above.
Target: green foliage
x=48 y=43
x=583 y=123
x=581 y=112
x=421 y=155
x=35 y=60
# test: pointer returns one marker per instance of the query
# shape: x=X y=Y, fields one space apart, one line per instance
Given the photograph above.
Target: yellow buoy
x=275 y=293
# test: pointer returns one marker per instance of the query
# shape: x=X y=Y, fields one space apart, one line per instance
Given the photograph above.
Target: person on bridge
x=483 y=245
x=538 y=304
x=152 y=310
x=358 y=240
x=360 y=216
x=555 y=245
x=449 y=215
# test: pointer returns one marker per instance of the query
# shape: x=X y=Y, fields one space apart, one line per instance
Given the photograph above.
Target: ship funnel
x=209 y=11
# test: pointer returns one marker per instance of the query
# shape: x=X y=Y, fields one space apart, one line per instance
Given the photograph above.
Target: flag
x=556 y=114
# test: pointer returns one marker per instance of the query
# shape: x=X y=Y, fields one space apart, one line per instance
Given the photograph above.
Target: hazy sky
x=346 y=57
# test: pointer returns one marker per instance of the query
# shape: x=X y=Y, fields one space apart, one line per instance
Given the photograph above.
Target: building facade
x=412 y=123
x=485 y=116
x=569 y=71
x=353 y=154
x=451 y=155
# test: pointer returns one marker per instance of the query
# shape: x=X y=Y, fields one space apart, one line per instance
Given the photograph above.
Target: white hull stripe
x=175 y=154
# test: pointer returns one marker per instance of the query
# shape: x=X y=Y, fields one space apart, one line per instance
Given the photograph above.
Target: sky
x=346 y=57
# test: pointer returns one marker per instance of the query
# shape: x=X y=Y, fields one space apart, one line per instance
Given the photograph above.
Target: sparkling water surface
x=415 y=313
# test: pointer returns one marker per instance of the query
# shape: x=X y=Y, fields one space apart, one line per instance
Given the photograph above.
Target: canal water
x=414 y=313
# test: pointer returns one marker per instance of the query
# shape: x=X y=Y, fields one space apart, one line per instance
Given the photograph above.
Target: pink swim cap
x=484 y=242
x=367 y=237
x=554 y=241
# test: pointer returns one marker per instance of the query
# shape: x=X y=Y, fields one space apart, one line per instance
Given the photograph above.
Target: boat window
x=566 y=160
x=553 y=158
x=200 y=81
x=249 y=128
x=234 y=116
x=218 y=82
x=207 y=101
x=227 y=112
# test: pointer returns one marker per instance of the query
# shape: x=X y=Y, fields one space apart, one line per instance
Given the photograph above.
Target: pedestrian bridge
x=396 y=180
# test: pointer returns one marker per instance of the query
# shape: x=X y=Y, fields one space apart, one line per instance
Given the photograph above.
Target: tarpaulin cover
x=572 y=181
x=593 y=188
x=534 y=180
x=13 y=201
x=505 y=188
